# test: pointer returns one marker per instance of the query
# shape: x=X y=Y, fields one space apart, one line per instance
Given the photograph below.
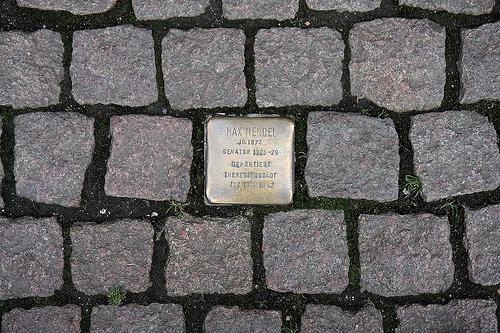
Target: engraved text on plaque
x=249 y=160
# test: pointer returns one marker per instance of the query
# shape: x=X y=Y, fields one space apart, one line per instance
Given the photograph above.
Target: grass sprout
x=412 y=186
x=116 y=296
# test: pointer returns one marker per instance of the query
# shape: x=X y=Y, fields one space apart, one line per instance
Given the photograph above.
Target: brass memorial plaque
x=249 y=160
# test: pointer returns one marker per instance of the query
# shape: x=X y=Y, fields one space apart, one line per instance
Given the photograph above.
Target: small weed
x=299 y=22
x=116 y=296
x=365 y=111
x=412 y=186
x=8 y=115
x=297 y=301
x=178 y=209
x=288 y=330
x=451 y=207
x=383 y=114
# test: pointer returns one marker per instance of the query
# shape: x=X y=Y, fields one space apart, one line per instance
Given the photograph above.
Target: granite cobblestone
x=31 y=257
x=468 y=316
x=77 y=7
x=305 y=251
x=114 y=65
x=64 y=319
x=455 y=153
x=203 y=68
x=150 y=158
x=208 y=255
x=332 y=319
x=235 y=320
x=164 y=9
x=405 y=254
x=342 y=148
x=344 y=6
x=298 y=67
x=475 y=7
x=32 y=68
x=398 y=63
x=481 y=240
x=260 y=9
x=479 y=64
x=154 y=318
x=51 y=155
x=112 y=255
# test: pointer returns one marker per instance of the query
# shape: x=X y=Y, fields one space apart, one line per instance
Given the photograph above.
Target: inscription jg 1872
x=249 y=160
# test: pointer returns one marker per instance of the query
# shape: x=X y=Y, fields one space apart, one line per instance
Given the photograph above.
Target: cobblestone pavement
x=103 y=104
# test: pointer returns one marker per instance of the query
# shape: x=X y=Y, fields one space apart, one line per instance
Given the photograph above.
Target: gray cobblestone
x=112 y=255
x=208 y=255
x=298 y=67
x=234 y=320
x=203 y=68
x=115 y=65
x=465 y=316
x=78 y=7
x=474 y=7
x=332 y=319
x=65 y=319
x=31 y=68
x=352 y=156
x=405 y=254
x=52 y=153
x=455 y=152
x=480 y=63
x=2 y=173
x=482 y=239
x=164 y=9
x=31 y=257
x=154 y=318
x=398 y=63
x=150 y=158
x=264 y=9
x=344 y=6
x=305 y=251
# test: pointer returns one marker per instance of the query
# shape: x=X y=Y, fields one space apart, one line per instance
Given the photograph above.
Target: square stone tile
x=298 y=66
x=77 y=7
x=479 y=64
x=260 y=9
x=404 y=255
x=305 y=251
x=208 y=256
x=222 y=319
x=153 y=318
x=398 y=63
x=51 y=155
x=64 y=319
x=482 y=241
x=150 y=158
x=464 y=316
x=344 y=6
x=203 y=68
x=164 y=9
x=455 y=153
x=31 y=257
x=332 y=319
x=352 y=156
x=112 y=255
x=114 y=65
x=473 y=7
x=32 y=68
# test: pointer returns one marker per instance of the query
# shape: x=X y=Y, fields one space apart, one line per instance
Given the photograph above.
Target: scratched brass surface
x=249 y=160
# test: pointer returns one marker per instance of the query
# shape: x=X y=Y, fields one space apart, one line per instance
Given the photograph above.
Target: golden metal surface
x=249 y=160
